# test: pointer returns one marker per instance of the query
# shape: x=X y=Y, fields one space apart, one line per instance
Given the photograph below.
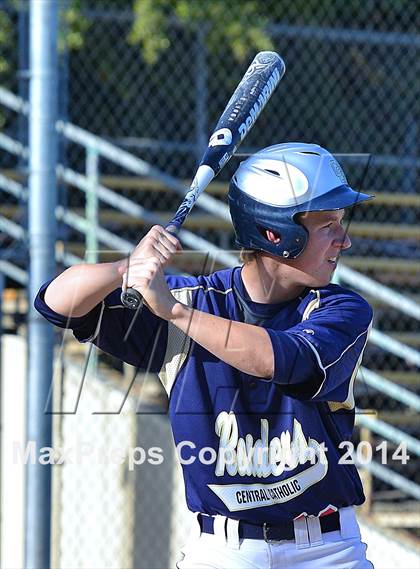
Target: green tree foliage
x=71 y=36
x=242 y=26
x=73 y=26
x=238 y=26
x=6 y=40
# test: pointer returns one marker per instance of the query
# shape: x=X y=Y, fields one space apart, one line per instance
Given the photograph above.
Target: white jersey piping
x=349 y=402
x=197 y=287
x=319 y=361
x=348 y=347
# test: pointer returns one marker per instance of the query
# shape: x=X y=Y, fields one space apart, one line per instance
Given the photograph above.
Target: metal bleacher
x=109 y=231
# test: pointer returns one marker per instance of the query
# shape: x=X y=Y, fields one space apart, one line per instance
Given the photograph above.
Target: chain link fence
x=351 y=85
x=117 y=487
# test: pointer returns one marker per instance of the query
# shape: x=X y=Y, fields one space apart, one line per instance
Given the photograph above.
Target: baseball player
x=259 y=362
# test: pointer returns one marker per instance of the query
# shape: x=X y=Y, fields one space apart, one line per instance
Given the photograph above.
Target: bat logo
x=221 y=137
x=261 y=61
x=255 y=66
x=259 y=104
x=226 y=157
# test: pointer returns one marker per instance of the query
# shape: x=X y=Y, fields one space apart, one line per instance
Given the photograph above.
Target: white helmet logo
x=221 y=137
x=273 y=182
x=338 y=171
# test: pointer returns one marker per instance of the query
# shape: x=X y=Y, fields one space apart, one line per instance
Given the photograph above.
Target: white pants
x=311 y=549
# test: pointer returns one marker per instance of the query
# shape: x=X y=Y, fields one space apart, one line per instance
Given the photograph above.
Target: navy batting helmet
x=271 y=187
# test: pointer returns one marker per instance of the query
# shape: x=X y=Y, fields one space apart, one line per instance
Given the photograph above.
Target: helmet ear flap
x=252 y=219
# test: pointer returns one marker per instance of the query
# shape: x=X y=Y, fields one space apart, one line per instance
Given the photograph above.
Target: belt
x=271 y=532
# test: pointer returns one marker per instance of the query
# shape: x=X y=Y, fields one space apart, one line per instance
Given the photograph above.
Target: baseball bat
x=240 y=114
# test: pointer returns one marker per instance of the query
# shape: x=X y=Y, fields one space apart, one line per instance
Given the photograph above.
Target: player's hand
x=156 y=243
x=144 y=270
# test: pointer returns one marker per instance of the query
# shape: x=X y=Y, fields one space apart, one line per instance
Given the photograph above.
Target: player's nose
x=343 y=240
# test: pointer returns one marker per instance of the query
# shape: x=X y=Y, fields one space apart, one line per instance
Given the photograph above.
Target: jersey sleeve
x=138 y=338
x=318 y=358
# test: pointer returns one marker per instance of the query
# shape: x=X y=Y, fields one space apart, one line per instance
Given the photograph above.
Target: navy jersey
x=271 y=447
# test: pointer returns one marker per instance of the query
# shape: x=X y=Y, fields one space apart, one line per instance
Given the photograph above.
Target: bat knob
x=131 y=299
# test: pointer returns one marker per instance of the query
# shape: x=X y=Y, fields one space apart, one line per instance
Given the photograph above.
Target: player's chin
x=322 y=279
x=319 y=283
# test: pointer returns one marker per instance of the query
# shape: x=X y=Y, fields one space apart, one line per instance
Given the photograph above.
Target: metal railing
x=95 y=146
x=89 y=226
x=387 y=387
x=389 y=433
x=379 y=291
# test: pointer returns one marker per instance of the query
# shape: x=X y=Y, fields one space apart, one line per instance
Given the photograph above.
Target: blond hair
x=247 y=255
